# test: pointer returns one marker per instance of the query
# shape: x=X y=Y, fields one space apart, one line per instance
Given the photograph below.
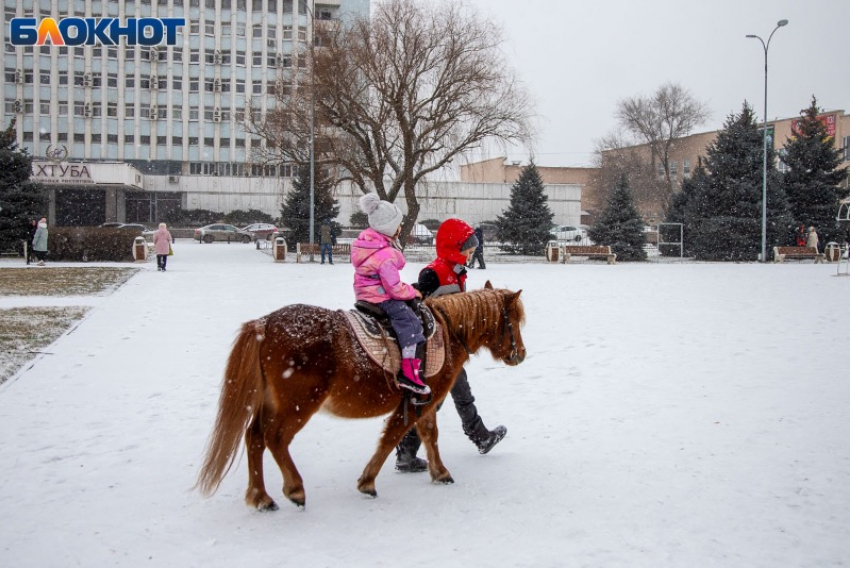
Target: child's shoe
x=409 y=379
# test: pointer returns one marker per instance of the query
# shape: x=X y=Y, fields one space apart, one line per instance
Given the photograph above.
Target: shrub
x=90 y=244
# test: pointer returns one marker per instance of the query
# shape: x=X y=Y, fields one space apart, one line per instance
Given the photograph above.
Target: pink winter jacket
x=162 y=241
x=376 y=269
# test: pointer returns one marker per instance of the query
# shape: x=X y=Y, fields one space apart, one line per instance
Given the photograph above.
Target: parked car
x=136 y=228
x=222 y=232
x=421 y=235
x=110 y=225
x=569 y=233
x=261 y=231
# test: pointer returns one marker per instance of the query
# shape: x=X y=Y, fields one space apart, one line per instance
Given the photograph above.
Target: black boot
x=406 y=460
x=487 y=439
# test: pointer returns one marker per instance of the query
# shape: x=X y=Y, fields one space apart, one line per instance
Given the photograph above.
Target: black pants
x=479 y=256
x=40 y=255
x=161 y=259
x=473 y=426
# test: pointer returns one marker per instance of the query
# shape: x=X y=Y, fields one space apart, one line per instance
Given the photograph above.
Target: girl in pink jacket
x=162 y=245
x=377 y=259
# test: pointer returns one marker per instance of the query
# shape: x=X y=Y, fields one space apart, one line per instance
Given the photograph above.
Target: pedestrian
x=456 y=242
x=39 y=241
x=162 y=246
x=327 y=240
x=812 y=239
x=479 y=250
x=33 y=227
x=801 y=235
x=377 y=259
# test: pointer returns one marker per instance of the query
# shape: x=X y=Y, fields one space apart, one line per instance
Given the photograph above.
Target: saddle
x=375 y=333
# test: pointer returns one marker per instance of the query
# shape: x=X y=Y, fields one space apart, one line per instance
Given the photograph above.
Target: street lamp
x=766 y=46
x=312 y=133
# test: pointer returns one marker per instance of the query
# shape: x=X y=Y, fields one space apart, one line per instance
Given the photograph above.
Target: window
x=129 y=138
x=95 y=138
x=272 y=6
x=44 y=108
x=176 y=140
x=145 y=54
x=177 y=84
x=78 y=79
x=302 y=33
x=162 y=55
x=257 y=5
x=240 y=142
x=286 y=61
x=271 y=33
x=62 y=137
x=224 y=142
x=97 y=110
x=44 y=136
x=79 y=137
x=177 y=113
x=79 y=109
x=195 y=56
x=195 y=28
x=257 y=59
x=240 y=85
x=193 y=114
x=193 y=141
x=63 y=109
x=177 y=54
x=240 y=58
x=225 y=30
x=130 y=82
x=240 y=30
x=193 y=85
x=225 y=57
x=161 y=140
x=111 y=53
x=129 y=110
x=209 y=29
x=208 y=114
x=209 y=142
x=44 y=77
x=112 y=138
x=209 y=57
x=209 y=85
x=145 y=139
x=112 y=109
x=271 y=88
x=287 y=32
x=112 y=80
x=257 y=88
x=145 y=83
x=257 y=30
x=210 y=4
x=674 y=168
x=130 y=54
x=271 y=60
x=686 y=168
x=96 y=80
x=847 y=148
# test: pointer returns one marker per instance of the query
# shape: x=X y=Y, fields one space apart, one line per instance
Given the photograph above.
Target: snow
x=681 y=414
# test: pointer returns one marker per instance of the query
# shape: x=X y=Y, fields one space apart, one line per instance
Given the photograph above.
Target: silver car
x=566 y=233
x=222 y=232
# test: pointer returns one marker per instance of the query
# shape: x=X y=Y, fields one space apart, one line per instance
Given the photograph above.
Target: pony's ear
x=488 y=286
x=514 y=298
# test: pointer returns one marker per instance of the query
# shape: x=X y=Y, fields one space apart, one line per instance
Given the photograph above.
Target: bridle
x=509 y=326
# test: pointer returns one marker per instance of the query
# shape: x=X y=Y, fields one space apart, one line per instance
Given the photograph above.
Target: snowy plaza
x=668 y=414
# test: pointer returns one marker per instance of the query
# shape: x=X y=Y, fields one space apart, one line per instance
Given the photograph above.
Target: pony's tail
x=241 y=397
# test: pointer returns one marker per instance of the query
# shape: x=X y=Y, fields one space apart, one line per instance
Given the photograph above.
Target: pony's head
x=486 y=318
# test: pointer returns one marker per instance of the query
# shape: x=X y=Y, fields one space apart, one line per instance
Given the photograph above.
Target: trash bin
x=140 y=249
x=279 y=250
x=552 y=251
x=833 y=251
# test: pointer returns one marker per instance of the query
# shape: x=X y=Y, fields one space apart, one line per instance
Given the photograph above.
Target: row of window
x=146 y=111
x=241 y=170
x=145 y=139
x=269 y=6
x=211 y=57
x=674 y=168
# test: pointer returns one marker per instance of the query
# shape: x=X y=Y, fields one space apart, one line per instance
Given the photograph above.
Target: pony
x=300 y=359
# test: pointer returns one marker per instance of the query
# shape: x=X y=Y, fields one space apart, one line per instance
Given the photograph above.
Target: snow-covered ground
x=682 y=414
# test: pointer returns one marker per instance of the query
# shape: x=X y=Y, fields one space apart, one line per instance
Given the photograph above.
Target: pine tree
x=688 y=207
x=295 y=212
x=813 y=178
x=723 y=208
x=620 y=225
x=525 y=227
x=20 y=200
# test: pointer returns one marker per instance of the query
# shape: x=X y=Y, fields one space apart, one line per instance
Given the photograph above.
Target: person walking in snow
x=812 y=239
x=327 y=240
x=479 y=250
x=377 y=259
x=456 y=242
x=162 y=246
x=39 y=241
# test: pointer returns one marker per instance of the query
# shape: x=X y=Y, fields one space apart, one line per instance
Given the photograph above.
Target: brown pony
x=289 y=364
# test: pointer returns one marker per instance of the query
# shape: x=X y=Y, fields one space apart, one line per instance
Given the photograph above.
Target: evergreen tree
x=620 y=225
x=295 y=212
x=813 y=178
x=20 y=200
x=688 y=207
x=722 y=209
x=527 y=222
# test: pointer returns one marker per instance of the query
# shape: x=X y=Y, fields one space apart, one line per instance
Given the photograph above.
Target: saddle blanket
x=384 y=351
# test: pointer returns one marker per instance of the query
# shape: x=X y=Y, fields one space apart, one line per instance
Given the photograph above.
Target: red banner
x=828 y=121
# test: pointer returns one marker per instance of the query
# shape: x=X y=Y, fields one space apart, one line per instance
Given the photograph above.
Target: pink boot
x=409 y=379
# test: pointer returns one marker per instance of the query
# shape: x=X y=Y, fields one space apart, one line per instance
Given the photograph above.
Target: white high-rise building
x=174 y=113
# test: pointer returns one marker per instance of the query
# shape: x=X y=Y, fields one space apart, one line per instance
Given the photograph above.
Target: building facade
x=175 y=112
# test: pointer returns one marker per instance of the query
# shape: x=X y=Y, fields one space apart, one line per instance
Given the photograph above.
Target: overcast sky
x=579 y=58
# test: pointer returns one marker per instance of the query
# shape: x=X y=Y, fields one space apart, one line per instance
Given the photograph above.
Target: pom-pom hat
x=384 y=217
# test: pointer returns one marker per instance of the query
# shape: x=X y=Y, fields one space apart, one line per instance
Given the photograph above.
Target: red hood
x=450 y=236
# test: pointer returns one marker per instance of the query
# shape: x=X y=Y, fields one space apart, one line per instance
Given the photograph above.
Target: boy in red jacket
x=456 y=241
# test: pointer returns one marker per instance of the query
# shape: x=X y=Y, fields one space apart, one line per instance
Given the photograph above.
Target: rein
x=514 y=356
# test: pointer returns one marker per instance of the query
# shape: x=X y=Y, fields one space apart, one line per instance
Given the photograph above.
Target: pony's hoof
x=266 y=507
x=300 y=502
x=370 y=491
x=446 y=480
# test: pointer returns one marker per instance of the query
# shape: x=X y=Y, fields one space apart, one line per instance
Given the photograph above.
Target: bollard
x=140 y=249
x=279 y=251
x=832 y=251
x=552 y=250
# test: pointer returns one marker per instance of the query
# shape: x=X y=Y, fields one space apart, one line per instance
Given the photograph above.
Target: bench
x=593 y=252
x=342 y=251
x=780 y=254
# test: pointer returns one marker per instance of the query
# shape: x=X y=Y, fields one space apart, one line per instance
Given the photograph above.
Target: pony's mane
x=475 y=309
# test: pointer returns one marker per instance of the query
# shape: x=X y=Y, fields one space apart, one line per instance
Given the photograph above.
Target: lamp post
x=766 y=46
x=312 y=133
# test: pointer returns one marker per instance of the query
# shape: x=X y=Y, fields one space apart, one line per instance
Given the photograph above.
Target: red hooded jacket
x=447 y=274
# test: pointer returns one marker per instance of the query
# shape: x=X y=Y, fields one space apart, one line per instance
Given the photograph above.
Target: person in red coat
x=456 y=241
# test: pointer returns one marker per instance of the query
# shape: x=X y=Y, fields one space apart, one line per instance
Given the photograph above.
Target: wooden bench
x=593 y=252
x=343 y=251
x=780 y=254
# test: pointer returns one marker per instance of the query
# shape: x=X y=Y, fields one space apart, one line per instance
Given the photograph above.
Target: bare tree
x=659 y=120
x=618 y=156
x=398 y=97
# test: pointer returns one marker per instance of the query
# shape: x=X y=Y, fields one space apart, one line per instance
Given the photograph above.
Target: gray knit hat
x=384 y=216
